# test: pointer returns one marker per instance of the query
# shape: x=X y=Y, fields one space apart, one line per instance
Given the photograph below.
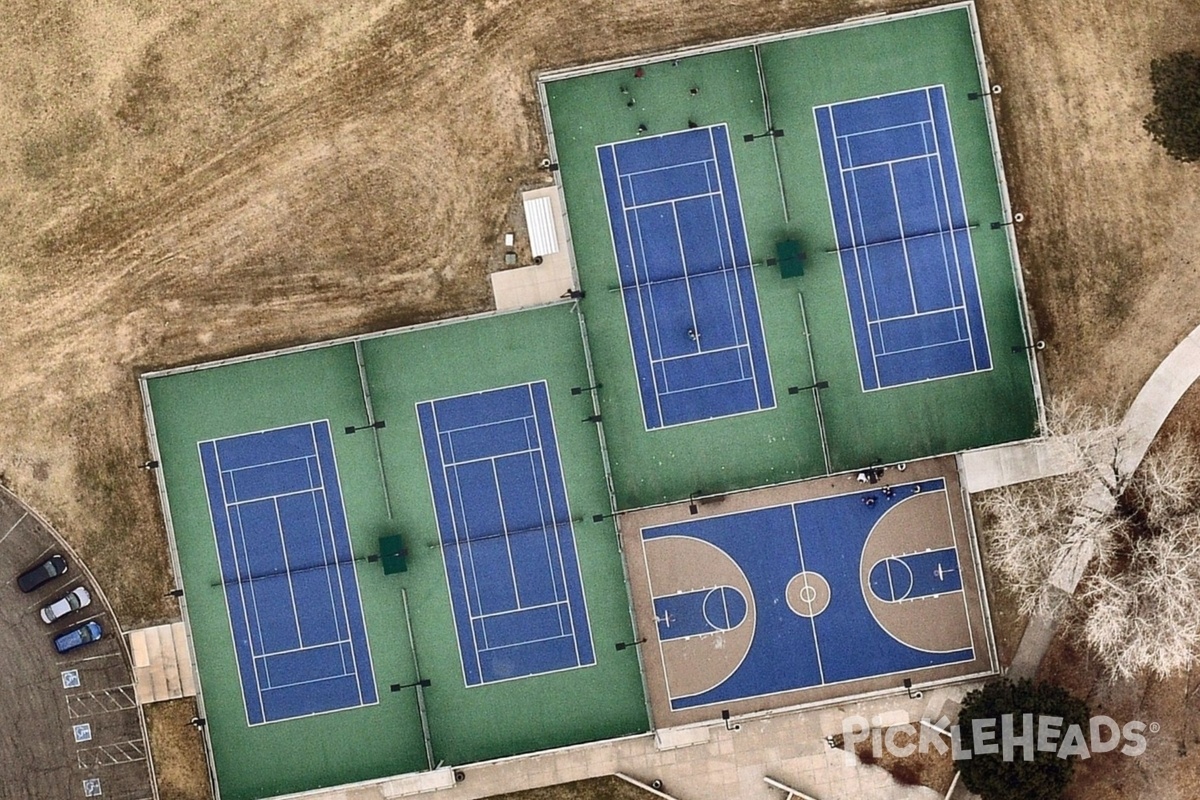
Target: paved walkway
x=1006 y=464
x=789 y=747
x=162 y=663
x=1133 y=437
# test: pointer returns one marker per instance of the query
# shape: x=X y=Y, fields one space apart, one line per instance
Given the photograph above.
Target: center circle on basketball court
x=807 y=594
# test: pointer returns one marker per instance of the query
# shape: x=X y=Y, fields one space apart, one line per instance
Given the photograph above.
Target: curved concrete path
x=1133 y=437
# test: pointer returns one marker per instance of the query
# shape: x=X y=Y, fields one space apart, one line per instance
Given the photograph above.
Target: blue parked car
x=77 y=637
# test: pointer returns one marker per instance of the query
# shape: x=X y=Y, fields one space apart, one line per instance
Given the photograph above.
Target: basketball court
x=799 y=593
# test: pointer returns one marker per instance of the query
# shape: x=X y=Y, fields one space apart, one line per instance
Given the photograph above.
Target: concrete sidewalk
x=719 y=765
x=1133 y=437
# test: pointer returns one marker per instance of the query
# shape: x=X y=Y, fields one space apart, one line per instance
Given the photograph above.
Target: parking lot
x=73 y=725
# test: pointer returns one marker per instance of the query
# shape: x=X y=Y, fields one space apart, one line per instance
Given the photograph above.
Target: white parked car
x=73 y=600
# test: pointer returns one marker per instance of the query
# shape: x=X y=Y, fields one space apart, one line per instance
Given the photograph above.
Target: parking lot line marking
x=14 y=527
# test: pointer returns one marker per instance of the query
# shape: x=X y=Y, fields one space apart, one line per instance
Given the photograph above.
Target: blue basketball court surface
x=685 y=276
x=290 y=582
x=916 y=575
x=903 y=238
x=506 y=533
x=805 y=594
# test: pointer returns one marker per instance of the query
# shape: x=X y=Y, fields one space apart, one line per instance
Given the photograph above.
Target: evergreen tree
x=1047 y=775
x=1175 y=121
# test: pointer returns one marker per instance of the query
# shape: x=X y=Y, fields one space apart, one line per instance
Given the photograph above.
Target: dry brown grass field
x=184 y=181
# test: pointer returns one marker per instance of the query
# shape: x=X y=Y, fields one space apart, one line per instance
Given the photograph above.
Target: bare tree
x=1135 y=540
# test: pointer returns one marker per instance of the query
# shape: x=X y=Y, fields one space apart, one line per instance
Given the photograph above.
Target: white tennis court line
x=557 y=546
x=897 y=126
x=733 y=308
x=890 y=163
x=287 y=569
x=512 y=562
x=706 y=386
x=632 y=173
x=429 y=473
x=686 y=278
x=949 y=224
x=274 y=499
x=634 y=265
x=368 y=668
x=562 y=564
x=246 y=582
x=482 y=459
x=547 y=526
x=527 y=642
x=462 y=533
x=533 y=607
x=479 y=425
x=723 y=249
x=936 y=154
x=706 y=352
x=505 y=533
x=941 y=177
x=241 y=590
x=945 y=310
x=304 y=648
x=308 y=682
x=919 y=347
x=950 y=150
x=731 y=252
x=328 y=579
x=859 y=259
x=542 y=482
x=454 y=518
x=669 y=202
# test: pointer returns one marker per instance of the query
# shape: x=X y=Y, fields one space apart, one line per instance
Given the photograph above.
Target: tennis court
x=506 y=533
x=903 y=238
x=686 y=276
x=291 y=588
x=838 y=589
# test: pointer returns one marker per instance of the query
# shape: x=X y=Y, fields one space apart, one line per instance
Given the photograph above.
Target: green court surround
x=768 y=447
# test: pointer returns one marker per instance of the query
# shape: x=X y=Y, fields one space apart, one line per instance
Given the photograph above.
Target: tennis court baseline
x=291 y=588
x=506 y=533
x=903 y=237
x=685 y=276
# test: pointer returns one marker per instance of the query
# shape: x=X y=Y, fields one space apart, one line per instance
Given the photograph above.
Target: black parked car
x=42 y=573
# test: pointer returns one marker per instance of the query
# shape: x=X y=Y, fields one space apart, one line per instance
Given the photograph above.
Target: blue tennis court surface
x=805 y=594
x=903 y=238
x=686 y=276
x=506 y=533
x=290 y=583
